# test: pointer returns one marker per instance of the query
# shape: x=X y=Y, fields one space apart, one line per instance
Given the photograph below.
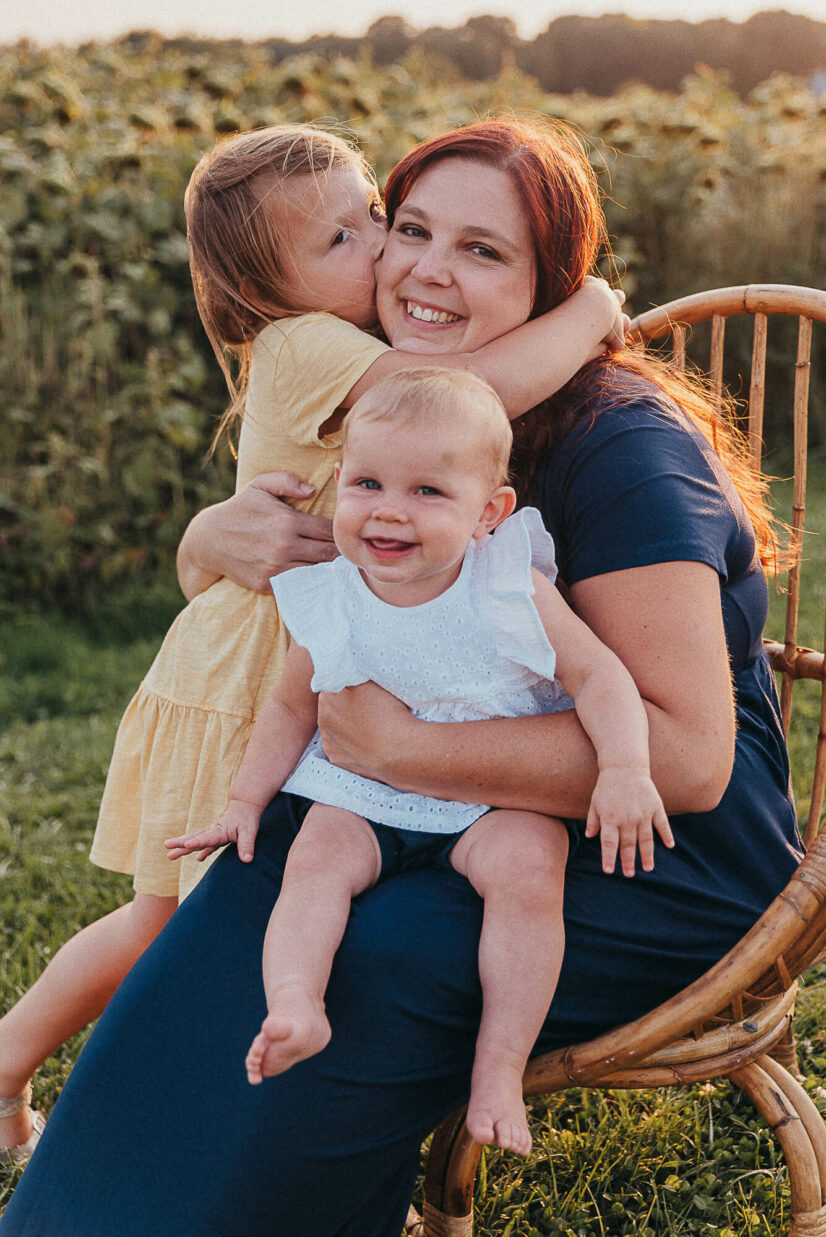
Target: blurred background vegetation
x=110 y=390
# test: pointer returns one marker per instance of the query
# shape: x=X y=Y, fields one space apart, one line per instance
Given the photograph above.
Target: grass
x=61 y=694
x=626 y=1164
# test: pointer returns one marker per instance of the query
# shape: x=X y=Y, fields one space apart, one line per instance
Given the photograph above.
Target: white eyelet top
x=477 y=651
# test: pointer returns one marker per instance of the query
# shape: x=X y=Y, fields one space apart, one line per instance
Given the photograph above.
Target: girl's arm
x=663 y=622
x=534 y=360
x=282 y=730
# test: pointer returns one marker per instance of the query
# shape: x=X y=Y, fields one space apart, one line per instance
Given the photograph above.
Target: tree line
x=594 y=54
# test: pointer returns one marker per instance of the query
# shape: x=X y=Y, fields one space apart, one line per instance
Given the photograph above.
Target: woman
x=659 y=557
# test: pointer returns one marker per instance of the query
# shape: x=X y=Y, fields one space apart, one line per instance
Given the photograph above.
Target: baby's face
x=410 y=499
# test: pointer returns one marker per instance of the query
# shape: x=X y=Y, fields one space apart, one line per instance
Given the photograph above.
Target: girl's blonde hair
x=236 y=247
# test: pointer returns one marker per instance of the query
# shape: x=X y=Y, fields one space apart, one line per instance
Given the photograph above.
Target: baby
x=460 y=625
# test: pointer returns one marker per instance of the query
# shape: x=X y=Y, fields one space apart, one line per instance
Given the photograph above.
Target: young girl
x=285 y=227
x=460 y=625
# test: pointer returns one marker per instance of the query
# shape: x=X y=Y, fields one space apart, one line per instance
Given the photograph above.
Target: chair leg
x=798 y=1126
x=451 y=1172
x=785 y=1052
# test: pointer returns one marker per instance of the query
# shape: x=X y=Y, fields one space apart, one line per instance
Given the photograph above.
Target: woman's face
x=458 y=265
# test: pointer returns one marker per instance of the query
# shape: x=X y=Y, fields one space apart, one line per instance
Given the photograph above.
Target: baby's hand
x=625 y=809
x=237 y=823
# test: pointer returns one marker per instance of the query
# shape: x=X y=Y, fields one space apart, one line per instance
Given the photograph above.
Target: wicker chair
x=735 y=1020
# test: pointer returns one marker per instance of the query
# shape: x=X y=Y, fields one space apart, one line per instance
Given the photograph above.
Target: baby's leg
x=516 y=862
x=335 y=856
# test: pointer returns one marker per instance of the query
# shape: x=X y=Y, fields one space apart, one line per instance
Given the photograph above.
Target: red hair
x=553 y=175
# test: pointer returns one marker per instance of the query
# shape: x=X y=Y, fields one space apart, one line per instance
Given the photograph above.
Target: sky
x=52 y=21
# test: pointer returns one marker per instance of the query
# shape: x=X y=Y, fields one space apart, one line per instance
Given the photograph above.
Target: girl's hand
x=237 y=823
x=612 y=301
x=625 y=809
x=252 y=536
x=367 y=730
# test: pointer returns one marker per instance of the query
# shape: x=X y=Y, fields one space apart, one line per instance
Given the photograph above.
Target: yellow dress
x=182 y=737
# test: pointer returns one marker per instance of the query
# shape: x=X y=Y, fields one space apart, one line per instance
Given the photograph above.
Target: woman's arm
x=533 y=361
x=663 y=622
x=252 y=536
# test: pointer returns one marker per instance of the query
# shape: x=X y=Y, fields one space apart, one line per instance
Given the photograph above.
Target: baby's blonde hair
x=236 y=248
x=436 y=395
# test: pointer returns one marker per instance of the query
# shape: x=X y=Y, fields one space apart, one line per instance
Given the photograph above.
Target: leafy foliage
x=110 y=389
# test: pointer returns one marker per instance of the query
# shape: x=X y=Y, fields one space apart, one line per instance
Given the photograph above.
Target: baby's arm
x=625 y=803
x=533 y=361
x=282 y=730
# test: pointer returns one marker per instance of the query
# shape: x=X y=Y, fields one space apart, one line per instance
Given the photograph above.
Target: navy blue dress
x=157 y=1131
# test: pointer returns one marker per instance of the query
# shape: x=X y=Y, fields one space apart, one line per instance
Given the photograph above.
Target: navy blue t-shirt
x=641 y=485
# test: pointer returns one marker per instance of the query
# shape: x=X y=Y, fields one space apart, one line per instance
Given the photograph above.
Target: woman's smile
x=431 y=313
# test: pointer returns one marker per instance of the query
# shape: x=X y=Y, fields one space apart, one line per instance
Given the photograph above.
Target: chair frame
x=735 y=1021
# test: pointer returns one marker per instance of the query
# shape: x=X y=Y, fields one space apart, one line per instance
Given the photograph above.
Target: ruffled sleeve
x=519 y=543
x=312 y=602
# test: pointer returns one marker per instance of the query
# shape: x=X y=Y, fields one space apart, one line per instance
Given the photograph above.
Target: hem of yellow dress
x=102 y=860
x=140 y=884
x=150 y=889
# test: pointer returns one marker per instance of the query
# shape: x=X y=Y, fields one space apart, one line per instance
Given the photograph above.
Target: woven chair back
x=763 y=302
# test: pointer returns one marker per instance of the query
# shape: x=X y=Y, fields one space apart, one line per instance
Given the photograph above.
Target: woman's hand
x=252 y=536
x=367 y=730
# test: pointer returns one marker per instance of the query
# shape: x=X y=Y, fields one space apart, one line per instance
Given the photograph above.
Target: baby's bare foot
x=496 y=1111
x=295 y=1028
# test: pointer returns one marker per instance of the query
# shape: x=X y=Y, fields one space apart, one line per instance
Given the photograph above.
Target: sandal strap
x=11 y=1105
x=18 y=1156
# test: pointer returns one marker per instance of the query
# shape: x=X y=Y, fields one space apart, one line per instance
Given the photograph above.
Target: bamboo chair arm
x=682 y=1060
x=745 y=298
x=783 y=942
x=802 y=664
x=730 y=1035
x=539 y=1081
